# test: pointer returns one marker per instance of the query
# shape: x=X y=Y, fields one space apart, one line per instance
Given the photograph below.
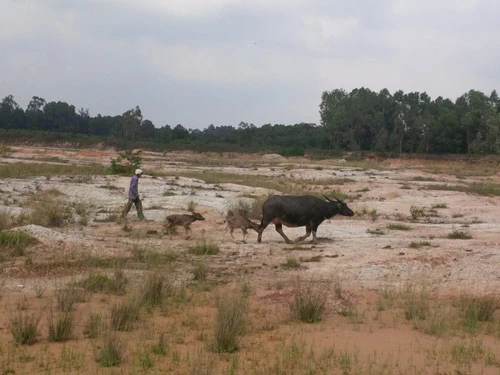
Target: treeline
x=411 y=123
x=360 y=120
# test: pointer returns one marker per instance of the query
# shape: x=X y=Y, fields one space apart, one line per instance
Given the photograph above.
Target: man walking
x=133 y=196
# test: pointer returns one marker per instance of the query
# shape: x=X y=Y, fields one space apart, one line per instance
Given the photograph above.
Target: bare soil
x=355 y=261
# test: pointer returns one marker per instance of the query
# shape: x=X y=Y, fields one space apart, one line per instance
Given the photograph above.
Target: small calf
x=241 y=222
x=182 y=220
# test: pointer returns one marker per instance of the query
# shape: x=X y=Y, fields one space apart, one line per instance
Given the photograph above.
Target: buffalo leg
x=279 y=229
x=314 y=240
x=263 y=225
x=308 y=233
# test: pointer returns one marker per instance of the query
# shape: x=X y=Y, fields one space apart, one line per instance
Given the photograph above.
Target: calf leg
x=279 y=229
x=168 y=229
x=187 y=229
x=245 y=235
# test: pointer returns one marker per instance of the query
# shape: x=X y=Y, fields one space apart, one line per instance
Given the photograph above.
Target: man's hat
x=138 y=171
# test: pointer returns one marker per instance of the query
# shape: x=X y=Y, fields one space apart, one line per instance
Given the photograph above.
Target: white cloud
x=224 y=64
x=198 y=8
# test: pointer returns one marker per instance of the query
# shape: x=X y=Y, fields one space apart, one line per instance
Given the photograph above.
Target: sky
x=222 y=62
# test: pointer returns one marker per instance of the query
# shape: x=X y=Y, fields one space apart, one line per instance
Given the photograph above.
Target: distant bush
x=126 y=162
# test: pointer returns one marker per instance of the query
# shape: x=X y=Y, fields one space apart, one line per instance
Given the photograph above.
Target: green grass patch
x=204 y=248
x=459 y=235
x=15 y=243
x=99 y=283
x=397 y=226
x=480 y=188
x=476 y=309
x=291 y=263
x=419 y=244
x=24 y=170
x=376 y=231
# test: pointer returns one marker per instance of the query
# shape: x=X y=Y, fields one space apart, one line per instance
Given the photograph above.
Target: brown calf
x=182 y=220
x=241 y=222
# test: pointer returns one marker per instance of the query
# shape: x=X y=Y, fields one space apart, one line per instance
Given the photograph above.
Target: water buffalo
x=299 y=211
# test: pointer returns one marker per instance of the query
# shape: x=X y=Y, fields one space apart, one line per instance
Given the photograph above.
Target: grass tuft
x=308 y=305
x=124 y=315
x=155 y=290
x=61 y=328
x=112 y=351
x=94 y=326
x=24 y=329
x=229 y=322
x=415 y=303
x=459 y=235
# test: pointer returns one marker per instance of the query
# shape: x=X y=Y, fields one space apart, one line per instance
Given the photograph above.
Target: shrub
x=308 y=305
x=50 y=212
x=127 y=162
x=24 y=329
